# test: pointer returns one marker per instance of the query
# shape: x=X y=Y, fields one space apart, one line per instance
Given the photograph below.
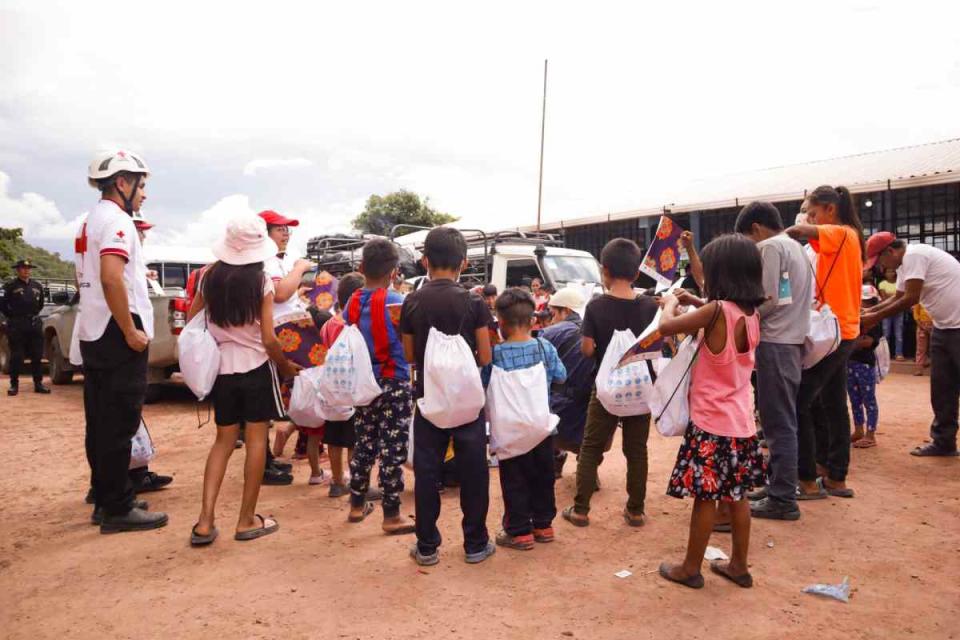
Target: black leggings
x=823 y=417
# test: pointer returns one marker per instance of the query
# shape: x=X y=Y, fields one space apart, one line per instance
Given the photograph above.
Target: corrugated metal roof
x=919 y=165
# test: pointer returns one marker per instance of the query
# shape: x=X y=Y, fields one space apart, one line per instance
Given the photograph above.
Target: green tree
x=46 y=264
x=402 y=207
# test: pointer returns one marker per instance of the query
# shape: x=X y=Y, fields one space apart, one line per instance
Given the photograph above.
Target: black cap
x=23 y=263
x=489 y=290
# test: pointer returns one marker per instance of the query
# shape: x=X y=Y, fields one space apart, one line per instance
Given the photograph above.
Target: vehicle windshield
x=568 y=269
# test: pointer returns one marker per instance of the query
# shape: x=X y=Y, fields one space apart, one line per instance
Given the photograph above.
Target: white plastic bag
x=142 y=450
x=305 y=409
x=623 y=391
x=670 y=399
x=346 y=378
x=409 y=460
x=452 y=390
x=199 y=356
x=518 y=408
x=823 y=338
x=883 y=359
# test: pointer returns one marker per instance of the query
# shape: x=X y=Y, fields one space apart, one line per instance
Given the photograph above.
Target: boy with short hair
x=339 y=435
x=382 y=427
x=443 y=304
x=618 y=309
x=527 y=481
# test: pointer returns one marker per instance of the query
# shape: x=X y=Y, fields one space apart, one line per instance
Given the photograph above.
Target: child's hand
x=686 y=239
x=290 y=369
x=669 y=299
x=687 y=299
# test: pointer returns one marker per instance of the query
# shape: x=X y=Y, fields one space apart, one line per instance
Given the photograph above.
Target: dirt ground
x=319 y=577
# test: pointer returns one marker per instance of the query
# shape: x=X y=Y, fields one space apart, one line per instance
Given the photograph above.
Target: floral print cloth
x=711 y=467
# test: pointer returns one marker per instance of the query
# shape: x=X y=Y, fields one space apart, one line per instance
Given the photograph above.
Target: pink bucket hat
x=245 y=242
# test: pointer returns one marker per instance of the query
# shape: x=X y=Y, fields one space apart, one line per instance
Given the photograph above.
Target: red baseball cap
x=272 y=217
x=876 y=245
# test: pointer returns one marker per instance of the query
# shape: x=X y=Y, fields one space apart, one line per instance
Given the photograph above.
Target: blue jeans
x=894 y=325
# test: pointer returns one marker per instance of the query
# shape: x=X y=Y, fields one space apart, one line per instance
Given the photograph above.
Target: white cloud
x=260 y=164
x=38 y=216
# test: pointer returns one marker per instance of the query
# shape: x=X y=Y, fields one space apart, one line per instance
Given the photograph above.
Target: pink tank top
x=721 y=400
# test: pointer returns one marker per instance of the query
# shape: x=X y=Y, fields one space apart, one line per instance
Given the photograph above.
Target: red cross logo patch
x=120 y=234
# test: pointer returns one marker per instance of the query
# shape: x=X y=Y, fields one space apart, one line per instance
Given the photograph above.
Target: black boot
x=14 y=388
x=39 y=388
x=135 y=520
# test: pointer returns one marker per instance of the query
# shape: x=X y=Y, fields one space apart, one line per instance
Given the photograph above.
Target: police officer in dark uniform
x=21 y=303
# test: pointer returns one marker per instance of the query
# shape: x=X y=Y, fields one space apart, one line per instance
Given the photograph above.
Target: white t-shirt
x=108 y=230
x=277 y=269
x=940 y=273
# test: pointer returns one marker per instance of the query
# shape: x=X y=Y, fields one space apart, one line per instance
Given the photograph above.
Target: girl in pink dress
x=719 y=459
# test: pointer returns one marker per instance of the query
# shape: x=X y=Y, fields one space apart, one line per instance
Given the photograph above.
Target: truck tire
x=60 y=371
x=4 y=354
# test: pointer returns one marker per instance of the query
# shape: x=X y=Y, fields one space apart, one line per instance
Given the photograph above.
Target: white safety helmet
x=109 y=163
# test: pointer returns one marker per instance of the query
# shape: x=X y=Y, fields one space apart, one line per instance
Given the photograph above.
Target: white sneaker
x=320 y=479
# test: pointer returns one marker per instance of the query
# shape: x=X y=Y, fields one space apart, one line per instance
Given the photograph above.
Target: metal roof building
x=912 y=191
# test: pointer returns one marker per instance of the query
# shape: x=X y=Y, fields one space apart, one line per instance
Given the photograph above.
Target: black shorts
x=339 y=433
x=253 y=396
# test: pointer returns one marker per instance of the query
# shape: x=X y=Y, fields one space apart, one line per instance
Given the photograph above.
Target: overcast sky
x=308 y=108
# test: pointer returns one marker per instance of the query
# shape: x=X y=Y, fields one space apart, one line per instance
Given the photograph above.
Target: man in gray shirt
x=784 y=323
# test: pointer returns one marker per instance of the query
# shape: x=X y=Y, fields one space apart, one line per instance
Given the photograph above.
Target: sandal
x=694 y=582
x=633 y=520
x=367 y=510
x=836 y=493
x=259 y=532
x=864 y=443
x=723 y=527
x=821 y=493
x=721 y=569
x=574 y=518
x=931 y=450
x=202 y=540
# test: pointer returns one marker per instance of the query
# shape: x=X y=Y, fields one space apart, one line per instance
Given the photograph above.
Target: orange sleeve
x=831 y=237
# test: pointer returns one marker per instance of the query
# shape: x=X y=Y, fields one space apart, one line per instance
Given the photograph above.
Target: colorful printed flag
x=649 y=346
x=663 y=256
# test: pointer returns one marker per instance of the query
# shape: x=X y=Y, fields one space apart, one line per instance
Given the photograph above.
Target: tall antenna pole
x=543 y=129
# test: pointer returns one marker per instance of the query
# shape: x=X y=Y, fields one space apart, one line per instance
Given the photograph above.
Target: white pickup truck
x=167 y=293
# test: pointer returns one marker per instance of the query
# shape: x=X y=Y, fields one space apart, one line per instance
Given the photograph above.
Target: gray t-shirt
x=788 y=285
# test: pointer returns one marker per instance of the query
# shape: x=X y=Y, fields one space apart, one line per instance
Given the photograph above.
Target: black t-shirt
x=867 y=355
x=449 y=308
x=607 y=314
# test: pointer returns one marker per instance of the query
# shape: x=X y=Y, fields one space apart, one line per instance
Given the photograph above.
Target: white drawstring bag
x=199 y=356
x=670 y=399
x=518 y=408
x=883 y=359
x=346 y=378
x=823 y=338
x=452 y=390
x=623 y=391
x=142 y=450
x=305 y=410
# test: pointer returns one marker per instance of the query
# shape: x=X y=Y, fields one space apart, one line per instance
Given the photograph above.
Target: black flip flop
x=367 y=510
x=633 y=520
x=745 y=580
x=259 y=532
x=693 y=582
x=568 y=516
x=197 y=540
x=836 y=493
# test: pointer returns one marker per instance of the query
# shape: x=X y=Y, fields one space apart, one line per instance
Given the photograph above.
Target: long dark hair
x=233 y=294
x=846 y=211
x=733 y=271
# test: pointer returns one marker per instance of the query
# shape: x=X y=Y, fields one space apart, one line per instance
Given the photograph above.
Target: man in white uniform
x=931 y=277
x=114 y=326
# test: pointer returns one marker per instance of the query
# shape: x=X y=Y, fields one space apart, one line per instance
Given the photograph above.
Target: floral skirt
x=711 y=467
